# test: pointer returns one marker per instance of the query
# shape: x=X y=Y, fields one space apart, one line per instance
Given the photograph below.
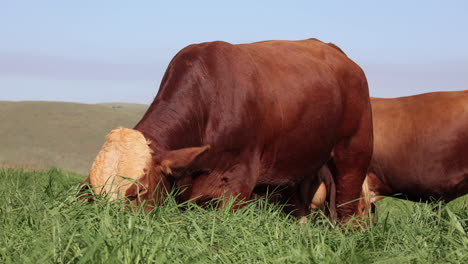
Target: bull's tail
x=331 y=197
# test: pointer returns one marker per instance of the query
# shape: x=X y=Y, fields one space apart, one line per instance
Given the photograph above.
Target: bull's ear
x=181 y=158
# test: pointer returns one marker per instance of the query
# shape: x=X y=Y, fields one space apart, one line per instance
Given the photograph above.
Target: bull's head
x=126 y=167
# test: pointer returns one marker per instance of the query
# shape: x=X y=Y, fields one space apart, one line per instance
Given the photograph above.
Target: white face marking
x=124 y=157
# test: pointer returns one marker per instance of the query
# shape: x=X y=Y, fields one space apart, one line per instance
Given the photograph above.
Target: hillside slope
x=57 y=134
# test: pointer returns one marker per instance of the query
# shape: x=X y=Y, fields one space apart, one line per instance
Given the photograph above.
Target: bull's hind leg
x=352 y=155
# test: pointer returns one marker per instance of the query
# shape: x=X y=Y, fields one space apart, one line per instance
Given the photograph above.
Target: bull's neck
x=177 y=117
x=172 y=124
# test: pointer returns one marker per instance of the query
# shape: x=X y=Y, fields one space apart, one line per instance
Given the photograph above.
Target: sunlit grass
x=41 y=221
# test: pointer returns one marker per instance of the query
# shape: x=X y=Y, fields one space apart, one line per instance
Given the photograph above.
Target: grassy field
x=57 y=134
x=41 y=221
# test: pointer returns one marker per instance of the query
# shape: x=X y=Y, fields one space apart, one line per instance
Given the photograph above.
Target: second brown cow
x=420 y=145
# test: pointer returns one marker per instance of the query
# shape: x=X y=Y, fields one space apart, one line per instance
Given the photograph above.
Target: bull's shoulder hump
x=330 y=44
x=205 y=51
x=206 y=47
x=336 y=47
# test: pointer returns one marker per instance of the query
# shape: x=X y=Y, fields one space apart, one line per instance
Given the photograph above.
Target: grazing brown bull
x=228 y=118
x=420 y=145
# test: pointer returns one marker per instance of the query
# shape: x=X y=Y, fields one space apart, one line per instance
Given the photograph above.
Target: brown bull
x=230 y=118
x=420 y=145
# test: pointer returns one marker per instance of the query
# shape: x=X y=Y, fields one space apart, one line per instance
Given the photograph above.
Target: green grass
x=57 y=134
x=41 y=221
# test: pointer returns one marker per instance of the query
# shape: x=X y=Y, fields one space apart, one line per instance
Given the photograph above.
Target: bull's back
x=420 y=143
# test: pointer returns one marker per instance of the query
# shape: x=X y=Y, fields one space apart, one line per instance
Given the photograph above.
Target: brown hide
x=272 y=113
x=420 y=146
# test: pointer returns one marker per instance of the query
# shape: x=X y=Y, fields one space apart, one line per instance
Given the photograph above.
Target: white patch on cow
x=124 y=158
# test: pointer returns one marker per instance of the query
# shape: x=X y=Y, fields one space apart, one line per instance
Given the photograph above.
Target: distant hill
x=39 y=134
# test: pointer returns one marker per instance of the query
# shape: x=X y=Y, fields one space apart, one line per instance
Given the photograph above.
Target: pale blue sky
x=108 y=51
